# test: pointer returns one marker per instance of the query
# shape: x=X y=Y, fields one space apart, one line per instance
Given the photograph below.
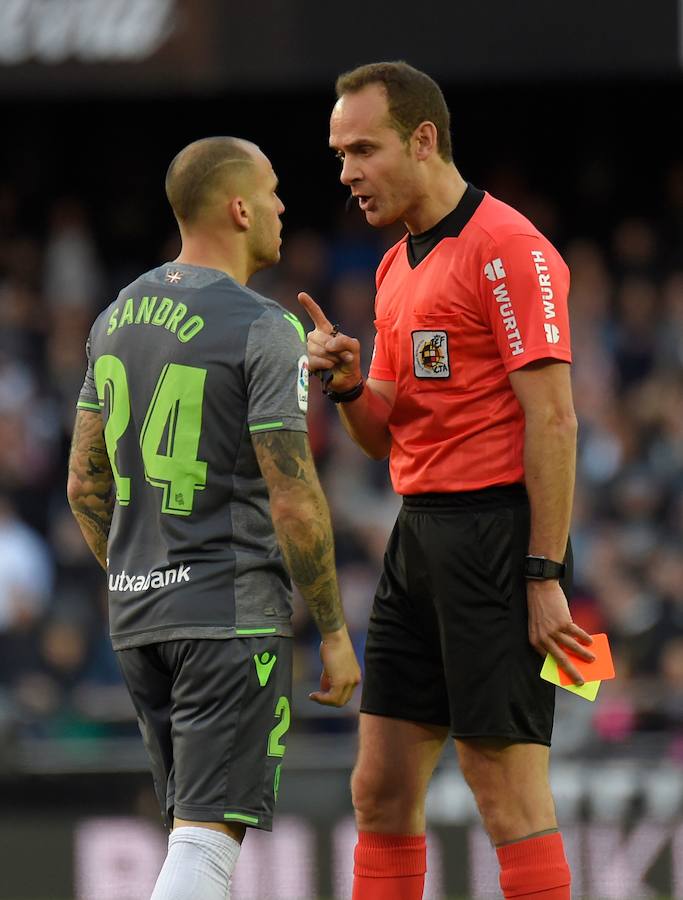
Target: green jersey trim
x=241 y=817
x=296 y=325
x=265 y=426
x=83 y=404
x=243 y=631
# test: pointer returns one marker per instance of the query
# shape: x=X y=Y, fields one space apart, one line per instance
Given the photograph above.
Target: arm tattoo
x=93 y=468
x=309 y=553
x=288 y=451
x=91 y=483
x=302 y=522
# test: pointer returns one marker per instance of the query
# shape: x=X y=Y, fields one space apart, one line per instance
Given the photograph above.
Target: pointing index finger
x=319 y=318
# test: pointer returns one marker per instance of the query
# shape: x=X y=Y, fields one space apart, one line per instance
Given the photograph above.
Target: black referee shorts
x=214 y=716
x=448 y=638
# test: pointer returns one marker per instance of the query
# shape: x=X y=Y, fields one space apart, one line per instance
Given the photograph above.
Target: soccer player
x=469 y=395
x=192 y=480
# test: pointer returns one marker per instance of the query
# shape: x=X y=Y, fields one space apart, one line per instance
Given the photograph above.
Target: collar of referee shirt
x=420 y=245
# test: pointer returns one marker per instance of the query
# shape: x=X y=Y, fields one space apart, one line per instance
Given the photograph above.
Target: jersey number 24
x=173 y=424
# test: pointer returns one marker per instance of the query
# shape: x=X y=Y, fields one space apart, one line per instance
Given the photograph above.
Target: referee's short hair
x=200 y=168
x=413 y=97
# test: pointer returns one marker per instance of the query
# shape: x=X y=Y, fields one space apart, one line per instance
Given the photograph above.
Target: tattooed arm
x=302 y=524
x=90 y=488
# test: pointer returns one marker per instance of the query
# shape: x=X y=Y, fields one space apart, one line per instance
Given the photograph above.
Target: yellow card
x=551 y=672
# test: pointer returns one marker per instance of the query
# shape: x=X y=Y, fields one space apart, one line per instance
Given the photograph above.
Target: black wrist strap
x=345 y=396
x=539 y=568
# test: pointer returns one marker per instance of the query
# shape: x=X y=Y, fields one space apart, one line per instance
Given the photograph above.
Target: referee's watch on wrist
x=345 y=396
x=540 y=568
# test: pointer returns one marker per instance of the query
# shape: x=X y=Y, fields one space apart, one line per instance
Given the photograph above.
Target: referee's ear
x=424 y=140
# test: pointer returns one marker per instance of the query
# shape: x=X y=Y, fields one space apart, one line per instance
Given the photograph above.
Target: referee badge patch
x=430 y=354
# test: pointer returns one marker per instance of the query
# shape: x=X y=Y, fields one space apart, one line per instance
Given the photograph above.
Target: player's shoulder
x=267 y=308
x=250 y=308
x=272 y=317
x=266 y=305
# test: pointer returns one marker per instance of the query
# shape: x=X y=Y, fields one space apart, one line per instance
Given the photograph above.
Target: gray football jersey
x=184 y=366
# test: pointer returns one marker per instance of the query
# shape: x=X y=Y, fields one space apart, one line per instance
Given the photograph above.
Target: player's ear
x=425 y=139
x=239 y=213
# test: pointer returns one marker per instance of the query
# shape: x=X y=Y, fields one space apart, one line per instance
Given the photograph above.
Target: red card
x=600 y=669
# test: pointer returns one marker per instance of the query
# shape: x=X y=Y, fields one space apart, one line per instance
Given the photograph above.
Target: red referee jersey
x=489 y=297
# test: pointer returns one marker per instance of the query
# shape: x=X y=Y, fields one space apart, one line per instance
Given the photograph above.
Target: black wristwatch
x=539 y=568
x=345 y=396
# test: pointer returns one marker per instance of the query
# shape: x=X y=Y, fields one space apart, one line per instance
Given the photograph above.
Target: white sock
x=198 y=866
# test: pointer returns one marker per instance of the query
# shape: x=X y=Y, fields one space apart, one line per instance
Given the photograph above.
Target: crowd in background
x=58 y=674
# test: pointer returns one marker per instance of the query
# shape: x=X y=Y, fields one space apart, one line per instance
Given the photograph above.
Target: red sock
x=535 y=869
x=389 y=866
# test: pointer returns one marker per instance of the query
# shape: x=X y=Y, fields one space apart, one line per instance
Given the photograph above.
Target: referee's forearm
x=550 y=464
x=365 y=420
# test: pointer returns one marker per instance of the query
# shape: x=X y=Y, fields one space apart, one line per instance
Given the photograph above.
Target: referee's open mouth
x=364 y=201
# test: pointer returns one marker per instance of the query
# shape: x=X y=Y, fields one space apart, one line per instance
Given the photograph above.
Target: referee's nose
x=349 y=171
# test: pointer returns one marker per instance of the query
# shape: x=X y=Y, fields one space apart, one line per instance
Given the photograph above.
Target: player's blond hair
x=199 y=169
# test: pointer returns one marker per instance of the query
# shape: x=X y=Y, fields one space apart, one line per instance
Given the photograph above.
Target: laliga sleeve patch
x=430 y=354
x=302 y=383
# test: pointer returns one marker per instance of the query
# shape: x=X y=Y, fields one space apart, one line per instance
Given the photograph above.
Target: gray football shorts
x=214 y=716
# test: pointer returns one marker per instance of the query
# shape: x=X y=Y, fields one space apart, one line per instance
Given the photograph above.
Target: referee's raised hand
x=329 y=349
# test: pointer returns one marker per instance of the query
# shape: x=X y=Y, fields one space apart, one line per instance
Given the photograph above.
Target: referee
x=469 y=395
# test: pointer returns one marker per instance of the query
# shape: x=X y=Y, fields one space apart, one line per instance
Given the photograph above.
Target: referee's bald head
x=204 y=169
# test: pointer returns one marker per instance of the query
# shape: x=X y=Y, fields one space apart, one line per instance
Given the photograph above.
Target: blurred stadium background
x=571 y=112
